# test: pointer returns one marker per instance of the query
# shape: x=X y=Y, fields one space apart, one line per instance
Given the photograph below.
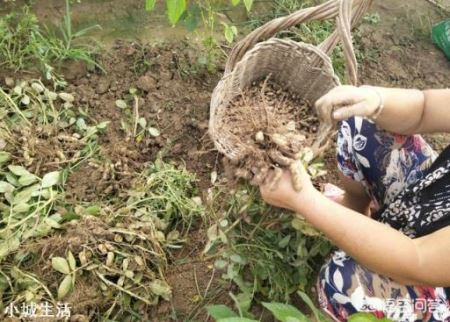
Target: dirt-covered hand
x=343 y=102
x=283 y=194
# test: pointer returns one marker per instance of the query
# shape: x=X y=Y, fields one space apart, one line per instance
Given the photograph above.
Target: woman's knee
x=335 y=286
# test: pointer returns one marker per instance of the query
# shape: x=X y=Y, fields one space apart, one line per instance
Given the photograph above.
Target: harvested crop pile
x=275 y=127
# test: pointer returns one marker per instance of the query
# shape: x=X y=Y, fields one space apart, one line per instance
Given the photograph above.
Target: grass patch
x=24 y=43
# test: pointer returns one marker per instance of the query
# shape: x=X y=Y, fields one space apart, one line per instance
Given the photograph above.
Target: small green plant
x=281 y=312
x=167 y=195
x=284 y=313
x=134 y=125
x=180 y=10
x=372 y=18
x=67 y=267
x=209 y=13
x=264 y=250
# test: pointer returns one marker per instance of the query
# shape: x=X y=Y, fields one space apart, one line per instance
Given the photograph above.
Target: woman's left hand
x=284 y=195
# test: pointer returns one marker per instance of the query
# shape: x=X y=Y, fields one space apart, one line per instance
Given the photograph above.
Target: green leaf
x=25 y=195
x=52 y=223
x=310 y=304
x=4 y=156
x=175 y=9
x=221 y=311
x=12 y=179
x=142 y=122
x=81 y=124
x=71 y=261
x=51 y=179
x=93 y=210
x=150 y=5
x=121 y=104
x=65 y=287
x=248 y=5
x=8 y=246
x=192 y=17
x=61 y=265
x=220 y=264
x=153 y=131
x=235 y=2
x=27 y=179
x=362 y=317
x=18 y=170
x=284 y=311
x=21 y=208
x=6 y=187
x=238 y=259
x=243 y=301
x=103 y=125
x=236 y=319
x=41 y=230
x=305 y=228
x=230 y=32
x=284 y=242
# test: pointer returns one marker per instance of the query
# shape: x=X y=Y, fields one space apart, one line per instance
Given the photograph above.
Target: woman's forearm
x=411 y=111
x=371 y=243
x=403 y=110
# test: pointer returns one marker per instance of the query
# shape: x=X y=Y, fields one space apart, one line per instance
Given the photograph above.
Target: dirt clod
x=146 y=83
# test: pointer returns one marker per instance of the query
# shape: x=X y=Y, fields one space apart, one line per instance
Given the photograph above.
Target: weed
x=372 y=18
x=167 y=195
x=134 y=125
x=211 y=53
x=142 y=62
x=24 y=43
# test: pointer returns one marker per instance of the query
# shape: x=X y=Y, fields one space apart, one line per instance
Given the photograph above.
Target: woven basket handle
x=349 y=13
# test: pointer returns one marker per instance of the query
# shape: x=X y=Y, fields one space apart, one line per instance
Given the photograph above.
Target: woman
x=394 y=261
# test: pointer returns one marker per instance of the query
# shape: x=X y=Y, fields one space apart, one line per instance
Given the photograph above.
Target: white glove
x=343 y=102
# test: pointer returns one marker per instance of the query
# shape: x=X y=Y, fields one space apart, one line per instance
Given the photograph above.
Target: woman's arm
x=406 y=111
x=380 y=248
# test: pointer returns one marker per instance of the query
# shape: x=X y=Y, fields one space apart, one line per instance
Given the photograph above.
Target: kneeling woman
x=395 y=261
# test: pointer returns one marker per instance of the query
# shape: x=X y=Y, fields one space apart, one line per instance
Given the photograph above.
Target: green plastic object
x=441 y=36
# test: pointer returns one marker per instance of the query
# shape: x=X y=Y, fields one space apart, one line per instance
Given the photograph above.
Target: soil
x=193 y=279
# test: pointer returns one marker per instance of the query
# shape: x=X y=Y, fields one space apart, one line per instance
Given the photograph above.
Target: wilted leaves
x=66 y=266
x=61 y=265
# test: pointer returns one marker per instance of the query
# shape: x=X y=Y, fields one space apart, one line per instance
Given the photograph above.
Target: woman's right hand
x=344 y=102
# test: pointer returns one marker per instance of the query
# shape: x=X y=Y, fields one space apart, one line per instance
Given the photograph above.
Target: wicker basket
x=300 y=68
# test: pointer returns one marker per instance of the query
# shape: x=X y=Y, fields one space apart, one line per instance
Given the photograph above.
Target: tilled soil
x=177 y=105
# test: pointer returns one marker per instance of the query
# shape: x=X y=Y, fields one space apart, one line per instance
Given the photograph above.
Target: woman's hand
x=284 y=195
x=344 y=102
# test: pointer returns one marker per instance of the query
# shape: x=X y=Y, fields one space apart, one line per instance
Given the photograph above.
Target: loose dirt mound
x=272 y=128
